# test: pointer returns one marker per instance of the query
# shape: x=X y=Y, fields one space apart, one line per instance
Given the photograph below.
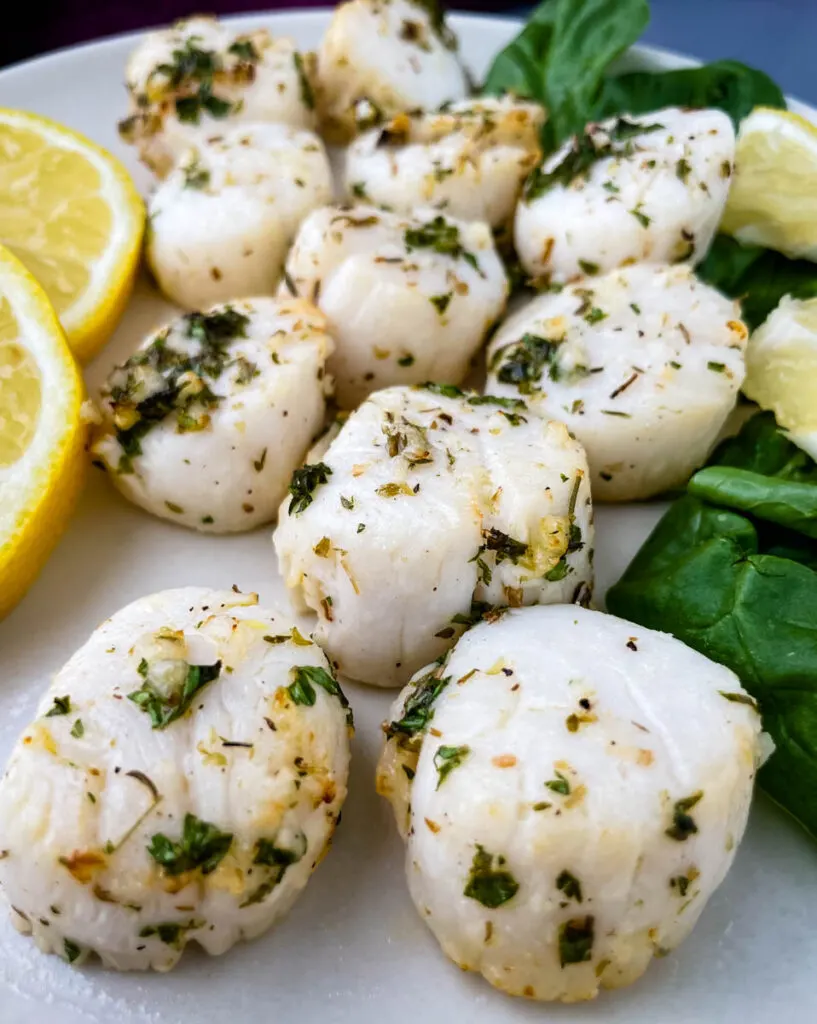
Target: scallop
x=380 y=57
x=430 y=508
x=646 y=189
x=180 y=782
x=469 y=160
x=199 y=77
x=206 y=421
x=572 y=789
x=407 y=299
x=643 y=365
x=223 y=220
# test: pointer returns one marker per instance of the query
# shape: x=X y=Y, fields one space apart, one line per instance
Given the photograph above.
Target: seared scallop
x=180 y=782
x=572 y=789
x=222 y=222
x=379 y=57
x=198 y=77
x=407 y=299
x=206 y=421
x=469 y=160
x=649 y=189
x=428 y=509
x=643 y=365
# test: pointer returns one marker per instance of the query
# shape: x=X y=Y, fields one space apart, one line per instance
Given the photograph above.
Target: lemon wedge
x=69 y=211
x=42 y=462
x=773 y=198
x=781 y=363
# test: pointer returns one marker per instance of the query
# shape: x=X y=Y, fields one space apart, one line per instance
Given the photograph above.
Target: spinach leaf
x=758 y=277
x=762 y=447
x=561 y=55
x=789 y=503
x=727 y=85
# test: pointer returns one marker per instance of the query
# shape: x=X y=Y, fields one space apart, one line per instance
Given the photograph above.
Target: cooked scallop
x=572 y=789
x=180 y=782
x=206 y=421
x=469 y=160
x=199 y=76
x=646 y=189
x=429 y=508
x=407 y=299
x=643 y=365
x=380 y=57
x=222 y=222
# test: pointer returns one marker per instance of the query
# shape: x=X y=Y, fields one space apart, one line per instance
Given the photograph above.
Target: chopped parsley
x=682 y=169
x=202 y=846
x=503 y=403
x=446 y=390
x=740 y=698
x=71 y=950
x=441 y=302
x=489 y=882
x=196 y=176
x=503 y=546
x=716 y=367
x=303 y=484
x=78 y=729
x=170 y=932
x=166 y=705
x=260 y=462
x=446 y=759
x=192 y=71
x=570 y=886
x=244 y=50
x=306 y=678
x=160 y=380
x=558 y=572
x=576 y=940
x=683 y=824
x=307 y=92
x=61 y=706
x=358 y=190
x=418 y=709
x=407 y=360
x=278 y=859
x=559 y=785
x=641 y=217
x=522 y=362
x=588 y=267
x=442 y=237
x=586 y=149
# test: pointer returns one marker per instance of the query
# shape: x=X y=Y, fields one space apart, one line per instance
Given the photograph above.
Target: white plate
x=353 y=950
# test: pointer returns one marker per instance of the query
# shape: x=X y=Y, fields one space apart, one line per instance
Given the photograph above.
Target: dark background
x=779 y=36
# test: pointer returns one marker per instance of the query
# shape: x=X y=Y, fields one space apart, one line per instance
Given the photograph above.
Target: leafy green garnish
x=560 y=784
x=306 y=678
x=683 y=824
x=307 y=92
x=758 y=277
x=570 y=886
x=61 y=706
x=192 y=70
x=441 y=236
x=244 y=50
x=195 y=176
x=269 y=854
x=489 y=882
x=165 y=707
x=446 y=759
x=523 y=362
x=71 y=949
x=503 y=403
x=418 y=709
x=78 y=729
x=202 y=846
x=562 y=59
x=446 y=390
x=303 y=484
x=576 y=940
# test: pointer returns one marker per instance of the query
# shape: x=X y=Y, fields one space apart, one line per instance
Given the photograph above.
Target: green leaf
x=418 y=709
x=165 y=708
x=61 y=706
x=446 y=759
x=561 y=56
x=788 y=503
x=758 y=277
x=303 y=484
x=576 y=940
x=307 y=677
x=570 y=886
x=489 y=883
x=726 y=85
x=201 y=846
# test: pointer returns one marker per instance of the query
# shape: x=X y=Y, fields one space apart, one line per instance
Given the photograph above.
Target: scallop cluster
x=571 y=787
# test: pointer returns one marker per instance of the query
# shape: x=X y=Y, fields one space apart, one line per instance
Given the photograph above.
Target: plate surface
x=353 y=948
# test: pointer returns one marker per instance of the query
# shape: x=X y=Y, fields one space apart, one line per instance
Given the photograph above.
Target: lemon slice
x=71 y=213
x=781 y=363
x=42 y=461
x=773 y=199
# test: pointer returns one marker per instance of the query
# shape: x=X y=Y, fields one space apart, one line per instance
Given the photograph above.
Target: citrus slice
x=42 y=461
x=69 y=211
x=773 y=199
x=781 y=363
